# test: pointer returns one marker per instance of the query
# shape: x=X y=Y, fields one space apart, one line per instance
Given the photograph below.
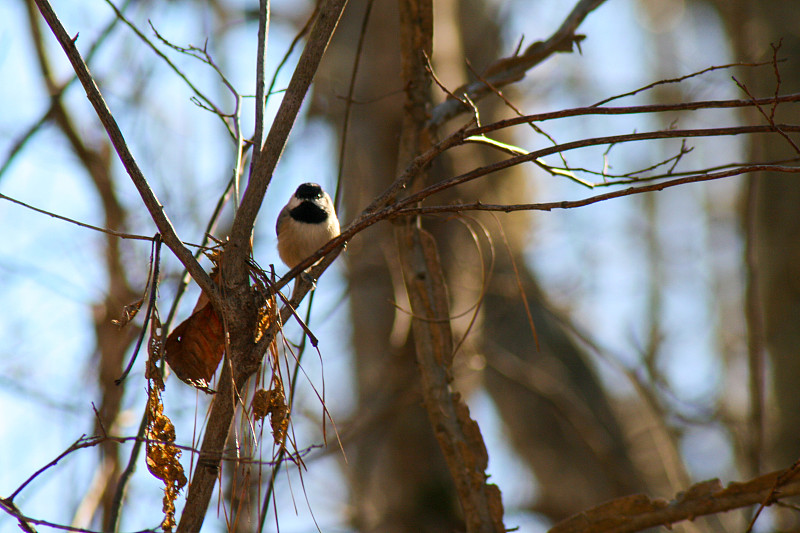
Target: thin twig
x=679 y=80
x=628 y=110
x=198 y=93
x=348 y=106
x=155 y=266
x=261 y=96
x=77 y=222
x=549 y=206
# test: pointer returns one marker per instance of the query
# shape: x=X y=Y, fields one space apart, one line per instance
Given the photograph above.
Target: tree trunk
x=398 y=478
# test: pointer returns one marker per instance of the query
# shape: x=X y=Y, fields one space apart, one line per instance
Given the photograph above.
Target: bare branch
x=82 y=442
x=654 y=108
x=261 y=96
x=154 y=207
x=458 y=435
x=679 y=80
x=771 y=116
x=511 y=69
x=273 y=147
x=549 y=206
x=638 y=512
x=25 y=522
x=613 y=139
x=77 y=222
x=199 y=94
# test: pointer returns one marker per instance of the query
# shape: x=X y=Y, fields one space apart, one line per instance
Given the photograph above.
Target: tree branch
x=154 y=207
x=261 y=96
x=271 y=151
x=549 y=206
x=511 y=69
x=458 y=435
x=639 y=512
x=243 y=356
x=628 y=110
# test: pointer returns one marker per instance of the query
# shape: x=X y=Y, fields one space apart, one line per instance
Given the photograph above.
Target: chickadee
x=306 y=223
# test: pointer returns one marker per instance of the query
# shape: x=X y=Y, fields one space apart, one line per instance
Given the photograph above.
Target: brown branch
x=23 y=521
x=458 y=435
x=627 y=110
x=199 y=95
x=271 y=151
x=82 y=442
x=639 y=512
x=261 y=96
x=679 y=79
x=549 y=206
x=511 y=69
x=382 y=208
x=26 y=522
x=421 y=161
x=243 y=356
x=77 y=222
x=154 y=207
x=583 y=143
x=771 y=116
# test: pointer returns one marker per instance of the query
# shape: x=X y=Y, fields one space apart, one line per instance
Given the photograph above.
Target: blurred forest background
x=667 y=324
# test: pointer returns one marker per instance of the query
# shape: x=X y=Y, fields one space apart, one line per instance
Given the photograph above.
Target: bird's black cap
x=308 y=191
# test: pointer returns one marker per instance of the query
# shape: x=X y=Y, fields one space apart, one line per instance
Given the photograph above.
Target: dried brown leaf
x=155 y=351
x=195 y=347
x=129 y=313
x=273 y=403
x=266 y=316
x=260 y=404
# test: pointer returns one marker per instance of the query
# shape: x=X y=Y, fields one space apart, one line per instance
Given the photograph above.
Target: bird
x=306 y=222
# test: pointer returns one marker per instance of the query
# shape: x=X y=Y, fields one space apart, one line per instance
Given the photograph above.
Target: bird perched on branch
x=306 y=223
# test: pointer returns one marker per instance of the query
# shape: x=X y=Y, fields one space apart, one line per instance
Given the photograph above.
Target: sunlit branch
x=638 y=512
x=150 y=200
x=567 y=204
x=379 y=210
x=77 y=222
x=629 y=110
x=511 y=69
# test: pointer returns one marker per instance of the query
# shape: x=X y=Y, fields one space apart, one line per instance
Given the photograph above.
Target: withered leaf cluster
x=163 y=457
